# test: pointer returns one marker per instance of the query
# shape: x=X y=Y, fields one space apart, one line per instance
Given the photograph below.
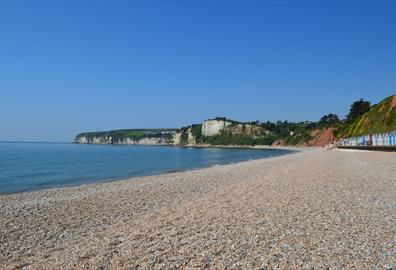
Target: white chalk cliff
x=109 y=140
x=214 y=127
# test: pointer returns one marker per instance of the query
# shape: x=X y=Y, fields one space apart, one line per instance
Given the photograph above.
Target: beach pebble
x=316 y=209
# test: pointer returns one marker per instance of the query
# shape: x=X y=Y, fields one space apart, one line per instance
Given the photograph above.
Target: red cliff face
x=321 y=138
x=393 y=103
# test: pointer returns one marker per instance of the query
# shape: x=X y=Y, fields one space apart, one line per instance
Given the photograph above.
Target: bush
x=184 y=137
x=358 y=108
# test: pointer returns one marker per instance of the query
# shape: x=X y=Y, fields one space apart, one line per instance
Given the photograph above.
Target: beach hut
x=393 y=138
x=375 y=139
x=382 y=139
x=370 y=140
x=388 y=139
x=361 y=140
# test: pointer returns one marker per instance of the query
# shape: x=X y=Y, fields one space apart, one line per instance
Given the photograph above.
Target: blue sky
x=68 y=67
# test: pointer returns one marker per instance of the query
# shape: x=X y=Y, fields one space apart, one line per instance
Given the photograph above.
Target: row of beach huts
x=384 y=139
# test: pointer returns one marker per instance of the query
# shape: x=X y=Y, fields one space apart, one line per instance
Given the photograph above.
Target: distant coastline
x=219 y=131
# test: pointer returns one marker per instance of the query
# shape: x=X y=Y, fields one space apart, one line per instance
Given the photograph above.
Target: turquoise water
x=35 y=166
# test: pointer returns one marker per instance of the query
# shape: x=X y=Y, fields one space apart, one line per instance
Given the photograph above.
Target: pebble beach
x=315 y=209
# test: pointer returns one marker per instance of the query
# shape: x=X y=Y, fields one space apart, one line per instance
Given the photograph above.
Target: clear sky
x=68 y=67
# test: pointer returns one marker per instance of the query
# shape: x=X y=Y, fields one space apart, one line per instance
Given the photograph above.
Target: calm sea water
x=34 y=166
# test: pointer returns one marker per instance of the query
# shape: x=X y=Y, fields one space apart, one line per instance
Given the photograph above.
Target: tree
x=357 y=109
x=329 y=120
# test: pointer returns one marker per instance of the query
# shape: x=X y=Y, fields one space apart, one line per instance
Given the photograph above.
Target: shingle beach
x=315 y=209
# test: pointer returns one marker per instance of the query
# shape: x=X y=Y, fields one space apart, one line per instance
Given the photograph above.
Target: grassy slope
x=380 y=119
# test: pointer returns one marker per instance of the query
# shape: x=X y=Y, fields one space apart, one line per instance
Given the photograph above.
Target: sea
x=35 y=166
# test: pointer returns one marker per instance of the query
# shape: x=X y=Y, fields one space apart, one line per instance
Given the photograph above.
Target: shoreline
x=314 y=208
x=274 y=147
x=108 y=180
x=258 y=147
